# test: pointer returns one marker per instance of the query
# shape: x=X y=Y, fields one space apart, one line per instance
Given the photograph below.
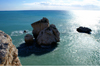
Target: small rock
x=28 y=39
x=24 y=31
x=84 y=30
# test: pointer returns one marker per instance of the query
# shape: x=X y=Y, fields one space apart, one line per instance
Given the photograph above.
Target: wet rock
x=8 y=52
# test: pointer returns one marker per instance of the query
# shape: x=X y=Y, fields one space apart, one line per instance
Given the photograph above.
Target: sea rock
x=84 y=30
x=48 y=36
x=8 y=52
x=28 y=39
x=55 y=32
x=24 y=31
x=39 y=25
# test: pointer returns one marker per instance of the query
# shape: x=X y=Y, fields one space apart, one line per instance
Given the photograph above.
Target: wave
x=19 y=32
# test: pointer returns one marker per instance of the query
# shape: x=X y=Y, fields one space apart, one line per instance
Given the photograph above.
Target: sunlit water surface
x=73 y=49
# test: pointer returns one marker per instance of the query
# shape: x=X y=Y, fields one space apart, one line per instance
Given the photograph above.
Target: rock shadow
x=24 y=50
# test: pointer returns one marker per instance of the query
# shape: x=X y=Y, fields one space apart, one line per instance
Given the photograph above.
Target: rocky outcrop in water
x=28 y=39
x=39 y=25
x=48 y=36
x=44 y=33
x=24 y=31
x=8 y=52
x=84 y=29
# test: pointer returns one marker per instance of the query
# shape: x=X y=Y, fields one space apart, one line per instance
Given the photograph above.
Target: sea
x=74 y=48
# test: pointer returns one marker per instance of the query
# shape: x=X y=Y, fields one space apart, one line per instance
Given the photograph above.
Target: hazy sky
x=49 y=4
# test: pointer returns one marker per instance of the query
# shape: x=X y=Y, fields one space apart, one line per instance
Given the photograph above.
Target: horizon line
x=49 y=10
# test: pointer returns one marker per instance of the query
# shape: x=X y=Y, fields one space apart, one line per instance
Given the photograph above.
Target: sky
x=49 y=5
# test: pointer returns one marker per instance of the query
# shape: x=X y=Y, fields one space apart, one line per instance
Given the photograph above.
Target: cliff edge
x=8 y=52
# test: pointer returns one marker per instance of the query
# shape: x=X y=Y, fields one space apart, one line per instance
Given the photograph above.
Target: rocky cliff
x=8 y=52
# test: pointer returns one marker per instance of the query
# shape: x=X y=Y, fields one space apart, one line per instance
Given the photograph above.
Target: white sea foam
x=19 y=32
x=16 y=33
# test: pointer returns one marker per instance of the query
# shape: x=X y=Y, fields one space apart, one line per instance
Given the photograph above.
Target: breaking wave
x=19 y=32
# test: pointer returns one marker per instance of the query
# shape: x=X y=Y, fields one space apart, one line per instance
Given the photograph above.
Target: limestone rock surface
x=8 y=52
x=48 y=36
x=39 y=25
x=55 y=32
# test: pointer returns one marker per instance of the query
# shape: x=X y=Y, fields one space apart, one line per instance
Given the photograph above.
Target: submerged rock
x=84 y=29
x=8 y=52
x=39 y=25
x=28 y=39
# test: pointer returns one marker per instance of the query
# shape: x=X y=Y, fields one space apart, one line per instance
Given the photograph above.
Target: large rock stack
x=39 y=25
x=44 y=33
x=8 y=52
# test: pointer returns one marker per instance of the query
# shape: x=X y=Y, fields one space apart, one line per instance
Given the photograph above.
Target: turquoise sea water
x=73 y=49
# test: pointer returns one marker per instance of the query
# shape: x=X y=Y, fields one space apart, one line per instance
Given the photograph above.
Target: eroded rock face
x=28 y=39
x=8 y=52
x=39 y=25
x=48 y=36
x=55 y=32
